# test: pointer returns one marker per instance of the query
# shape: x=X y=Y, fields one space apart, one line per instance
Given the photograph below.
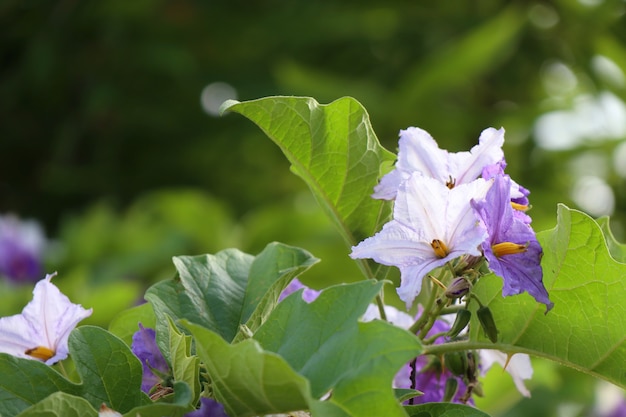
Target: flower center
x=440 y=248
x=520 y=207
x=451 y=182
x=40 y=352
x=508 y=248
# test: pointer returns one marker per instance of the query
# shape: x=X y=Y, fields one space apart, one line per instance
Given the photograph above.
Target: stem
x=434 y=337
x=465 y=345
x=381 y=307
x=423 y=319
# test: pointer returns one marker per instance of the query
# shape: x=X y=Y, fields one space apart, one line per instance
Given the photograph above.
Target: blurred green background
x=109 y=134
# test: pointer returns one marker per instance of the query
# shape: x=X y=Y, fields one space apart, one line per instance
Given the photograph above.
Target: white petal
x=421 y=205
x=419 y=152
x=468 y=166
x=519 y=367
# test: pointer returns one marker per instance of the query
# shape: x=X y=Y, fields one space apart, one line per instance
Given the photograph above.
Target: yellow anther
x=508 y=248
x=440 y=248
x=451 y=182
x=40 y=352
x=520 y=207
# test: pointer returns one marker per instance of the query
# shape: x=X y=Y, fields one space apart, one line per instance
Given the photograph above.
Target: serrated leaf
x=61 y=404
x=334 y=149
x=443 y=410
x=185 y=366
x=225 y=290
x=586 y=328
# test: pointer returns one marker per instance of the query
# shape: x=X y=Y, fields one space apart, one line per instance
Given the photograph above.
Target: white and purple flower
x=432 y=224
x=42 y=329
x=512 y=249
x=419 y=152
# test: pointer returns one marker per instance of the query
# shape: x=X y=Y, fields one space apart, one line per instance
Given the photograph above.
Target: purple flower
x=144 y=346
x=309 y=295
x=511 y=247
x=431 y=225
x=208 y=408
x=21 y=249
x=429 y=375
x=42 y=329
x=418 y=152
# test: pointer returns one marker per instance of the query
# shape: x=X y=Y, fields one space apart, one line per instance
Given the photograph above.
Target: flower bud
x=459 y=287
x=460 y=322
x=487 y=323
x=450 y=390
x=456 y=362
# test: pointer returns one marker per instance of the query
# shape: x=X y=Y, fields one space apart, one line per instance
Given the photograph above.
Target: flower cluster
x=457 y=207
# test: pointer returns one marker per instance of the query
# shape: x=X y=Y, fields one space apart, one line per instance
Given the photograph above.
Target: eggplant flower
x=41 y=331
x=308 y=294
x=22 y=245
x=144 y=346
x=419 y=152
x=431 y=225
x=512 y=249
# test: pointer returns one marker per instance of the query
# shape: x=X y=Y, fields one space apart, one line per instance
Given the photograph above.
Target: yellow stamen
x=41 y=353
x=508 y=248
x=440 y=248
x=520 y=207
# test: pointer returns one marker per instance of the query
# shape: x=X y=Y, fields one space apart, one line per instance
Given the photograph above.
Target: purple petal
x=208 y=408
x=144 y=346
x=308 y=294
x=521 y=272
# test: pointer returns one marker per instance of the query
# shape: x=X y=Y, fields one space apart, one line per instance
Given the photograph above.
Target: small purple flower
x=208 y=408
x=309 y=295
x=512 y=249
x=21 y=249
x=419 y=152
x=144 y=346
x=431 y=225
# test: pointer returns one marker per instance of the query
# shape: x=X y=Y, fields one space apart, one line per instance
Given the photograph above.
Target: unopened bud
x=487 y=323
x=460 y=322
x=450 y=391
x=459 y=287
x=455 y=362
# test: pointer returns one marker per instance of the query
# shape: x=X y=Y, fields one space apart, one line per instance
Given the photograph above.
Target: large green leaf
x=304 y=351
x=586 y=328
x=443 y=410
x=61 y=404
x=226 y=290
x=334 y=149
x=109 y=373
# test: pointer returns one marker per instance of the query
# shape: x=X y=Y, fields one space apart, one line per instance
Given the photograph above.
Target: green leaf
x=25 y=382
x=158 y=410
x=334 y=149
x=109 y=371
x=617 y=249
x=126 y=323
x=185 y=367
x=586 y=328
x=443 y=410
x=246 y=379
x=60 y=404
x=225 y=290
x=306 y=350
